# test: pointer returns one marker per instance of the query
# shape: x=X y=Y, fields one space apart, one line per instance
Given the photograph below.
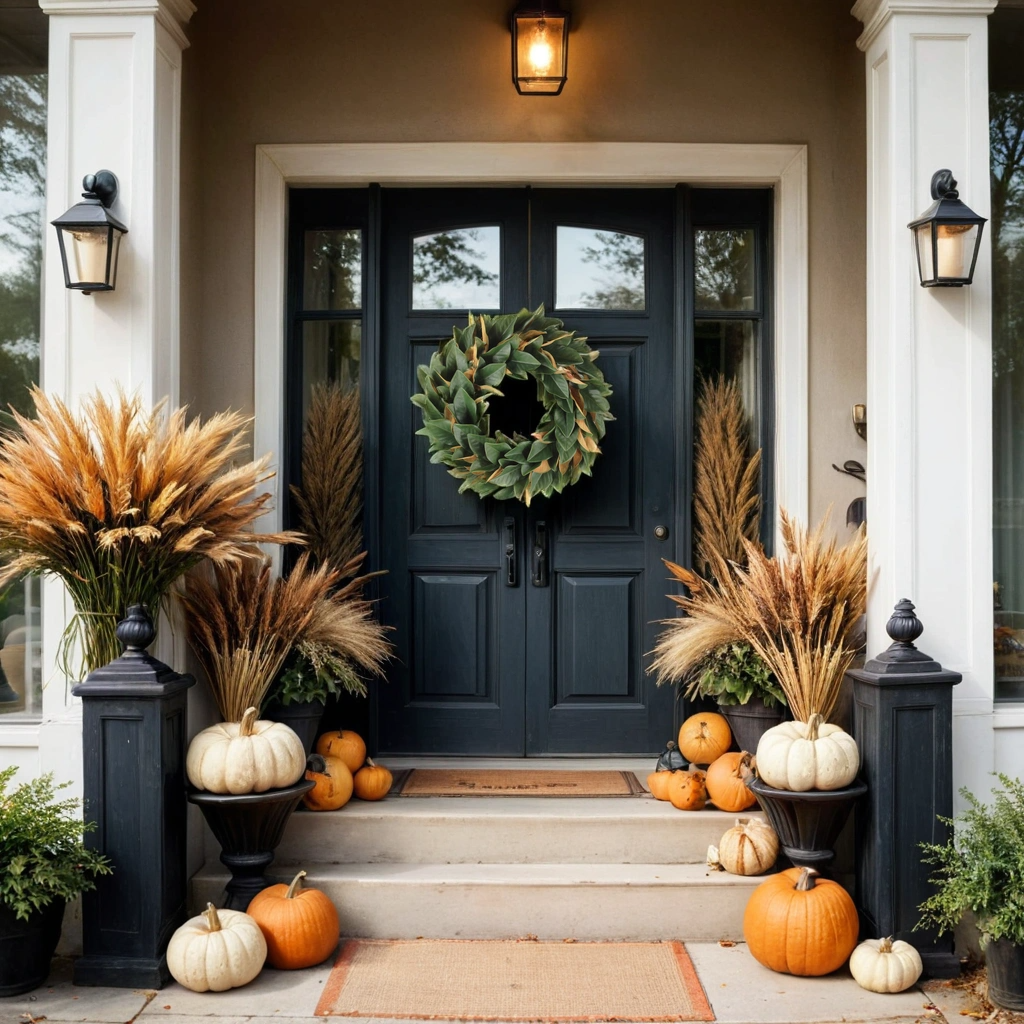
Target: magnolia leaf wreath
x=465 y=374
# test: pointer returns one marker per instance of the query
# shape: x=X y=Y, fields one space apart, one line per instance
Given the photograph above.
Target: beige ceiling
x=23 y=35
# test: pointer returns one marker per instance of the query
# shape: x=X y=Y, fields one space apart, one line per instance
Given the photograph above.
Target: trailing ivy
x=42 y=856
x=463 y=377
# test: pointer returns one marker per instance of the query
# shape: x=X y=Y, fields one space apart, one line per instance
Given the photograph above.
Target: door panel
x=588 y=629
x=457 y=685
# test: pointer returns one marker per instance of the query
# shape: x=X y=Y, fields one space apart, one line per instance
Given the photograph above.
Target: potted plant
x=799 y=612
x=979 y=868
x=242 y=623
x=119 y=503
x=43 y=864
x=329 y=505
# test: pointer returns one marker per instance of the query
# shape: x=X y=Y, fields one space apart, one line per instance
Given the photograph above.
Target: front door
x=523 y=630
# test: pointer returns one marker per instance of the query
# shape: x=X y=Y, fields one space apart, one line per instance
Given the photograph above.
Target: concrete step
x=501 y=830
x=640 y=901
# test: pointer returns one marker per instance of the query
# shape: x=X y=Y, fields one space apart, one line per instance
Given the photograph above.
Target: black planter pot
x=807 y=824
x=1005 y=963
x=26 y=947
x=302 y=718
x=750 y=721
x=249 y=829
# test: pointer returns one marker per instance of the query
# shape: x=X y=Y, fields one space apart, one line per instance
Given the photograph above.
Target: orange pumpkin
x=686 y=790
x=799 y=923
x=726 y=789
x=372 y=781
x=704 y=737
x=347 y=745
x=333 y=780
x=658 y=783
x=300 y=925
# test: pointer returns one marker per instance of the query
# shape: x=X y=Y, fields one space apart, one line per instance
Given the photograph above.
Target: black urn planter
x=807 y=824
x=1004 y=961
x=302 y=717
x=26 y=947
x=249 y=829
x=750 y=721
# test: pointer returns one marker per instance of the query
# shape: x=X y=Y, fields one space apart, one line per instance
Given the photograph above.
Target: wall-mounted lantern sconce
x=90 y=237
x=860 y=420
x=540 y=47
x=947 y=237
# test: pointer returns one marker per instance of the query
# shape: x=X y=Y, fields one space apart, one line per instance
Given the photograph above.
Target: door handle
x=539 y=560
x=511 y=572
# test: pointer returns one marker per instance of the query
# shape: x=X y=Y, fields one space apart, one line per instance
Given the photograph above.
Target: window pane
x=731 y=348
x=330 y=353
x=599 y=270
x=1006 y=110
x=457 y=269
x=333 y=270
x=22 y=177
x=724 y=269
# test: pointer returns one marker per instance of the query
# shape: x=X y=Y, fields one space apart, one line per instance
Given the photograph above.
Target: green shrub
x=42 y=856
x=981 y=867
x=733 y=674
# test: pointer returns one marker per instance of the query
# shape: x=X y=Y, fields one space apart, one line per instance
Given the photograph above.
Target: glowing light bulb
x=542 y=54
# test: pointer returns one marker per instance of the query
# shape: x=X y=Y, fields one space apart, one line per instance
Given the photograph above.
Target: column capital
x=174 y=15
x=875 y=14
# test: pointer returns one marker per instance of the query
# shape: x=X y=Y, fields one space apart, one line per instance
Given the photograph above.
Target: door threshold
x=639 y=765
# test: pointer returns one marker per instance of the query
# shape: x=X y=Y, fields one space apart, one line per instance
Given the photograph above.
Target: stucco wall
x=404 y=70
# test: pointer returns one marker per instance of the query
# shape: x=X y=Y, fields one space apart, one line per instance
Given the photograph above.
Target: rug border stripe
x=687 y=970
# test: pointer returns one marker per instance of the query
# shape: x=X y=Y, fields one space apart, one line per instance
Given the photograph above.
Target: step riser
x=333 y=839
x=396 y=910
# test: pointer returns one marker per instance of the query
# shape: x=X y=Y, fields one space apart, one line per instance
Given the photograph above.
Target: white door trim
x=783 y=167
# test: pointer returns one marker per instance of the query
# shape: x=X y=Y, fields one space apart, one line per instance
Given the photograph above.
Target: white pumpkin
x=245 y=757
x=807 y=755
x=218 y=950
x=881 y=965
x=750 y=847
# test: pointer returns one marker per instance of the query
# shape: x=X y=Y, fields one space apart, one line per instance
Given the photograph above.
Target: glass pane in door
x=724 y=270
x=330 y=353
x=599 y=269
x=730 y=348
x=333 y=270
x=457 y=269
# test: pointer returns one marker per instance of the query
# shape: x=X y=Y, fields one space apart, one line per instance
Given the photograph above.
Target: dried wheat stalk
x=726 y=479
x=120 y=501
x=242 y=622
x=330 y=500
x=798 y=612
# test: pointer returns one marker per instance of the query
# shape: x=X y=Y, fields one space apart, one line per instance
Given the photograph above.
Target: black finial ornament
x=904 y=627
x=136 y=631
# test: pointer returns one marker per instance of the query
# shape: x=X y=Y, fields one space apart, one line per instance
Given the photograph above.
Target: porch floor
x=739 y=989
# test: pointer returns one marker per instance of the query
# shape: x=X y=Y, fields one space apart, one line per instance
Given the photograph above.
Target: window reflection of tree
x=723 y=271
x=444 y=259
x=335 y=270
x=621 y=257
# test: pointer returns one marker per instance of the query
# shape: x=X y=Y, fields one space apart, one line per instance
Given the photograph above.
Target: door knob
x=661 y=532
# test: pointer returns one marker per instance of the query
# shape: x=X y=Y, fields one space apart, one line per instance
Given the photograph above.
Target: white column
x=929 y=353
x=114 y=103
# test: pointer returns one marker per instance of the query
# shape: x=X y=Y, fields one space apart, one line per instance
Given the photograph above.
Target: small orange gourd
x=726 y=788
x=333 y=783
x=300 y=925
x=799 y=923
x=704 y=737
x=347 y=745
x=686 y=790
x=372 y=781
x=658 y=783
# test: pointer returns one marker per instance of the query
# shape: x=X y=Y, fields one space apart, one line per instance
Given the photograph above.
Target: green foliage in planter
x=314 y=673
x=981 y=867
x=733 y=674
x=42 y=856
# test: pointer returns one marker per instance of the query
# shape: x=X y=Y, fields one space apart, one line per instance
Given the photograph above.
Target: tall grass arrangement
x=798 y=612
x=243 y=622
x=119 y=502
x=330 y=500
x=726 y=479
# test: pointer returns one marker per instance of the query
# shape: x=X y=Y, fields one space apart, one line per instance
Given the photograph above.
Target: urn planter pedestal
x=808 y=823
x=249 y=828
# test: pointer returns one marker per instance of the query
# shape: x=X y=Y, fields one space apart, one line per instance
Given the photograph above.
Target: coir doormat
x=515 y=782
x=428 y=979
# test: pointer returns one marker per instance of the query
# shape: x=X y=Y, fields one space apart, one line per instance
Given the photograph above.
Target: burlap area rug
x=514 y=782
x=440 y=979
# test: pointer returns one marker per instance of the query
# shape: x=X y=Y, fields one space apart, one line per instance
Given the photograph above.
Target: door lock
x=661 y=532
x=511 y=561
x=539 y=567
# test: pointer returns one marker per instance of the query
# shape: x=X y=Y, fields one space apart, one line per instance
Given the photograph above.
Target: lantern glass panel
x=954 y=245
x=87 y=249
x=540 y=54
x=923 y=235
